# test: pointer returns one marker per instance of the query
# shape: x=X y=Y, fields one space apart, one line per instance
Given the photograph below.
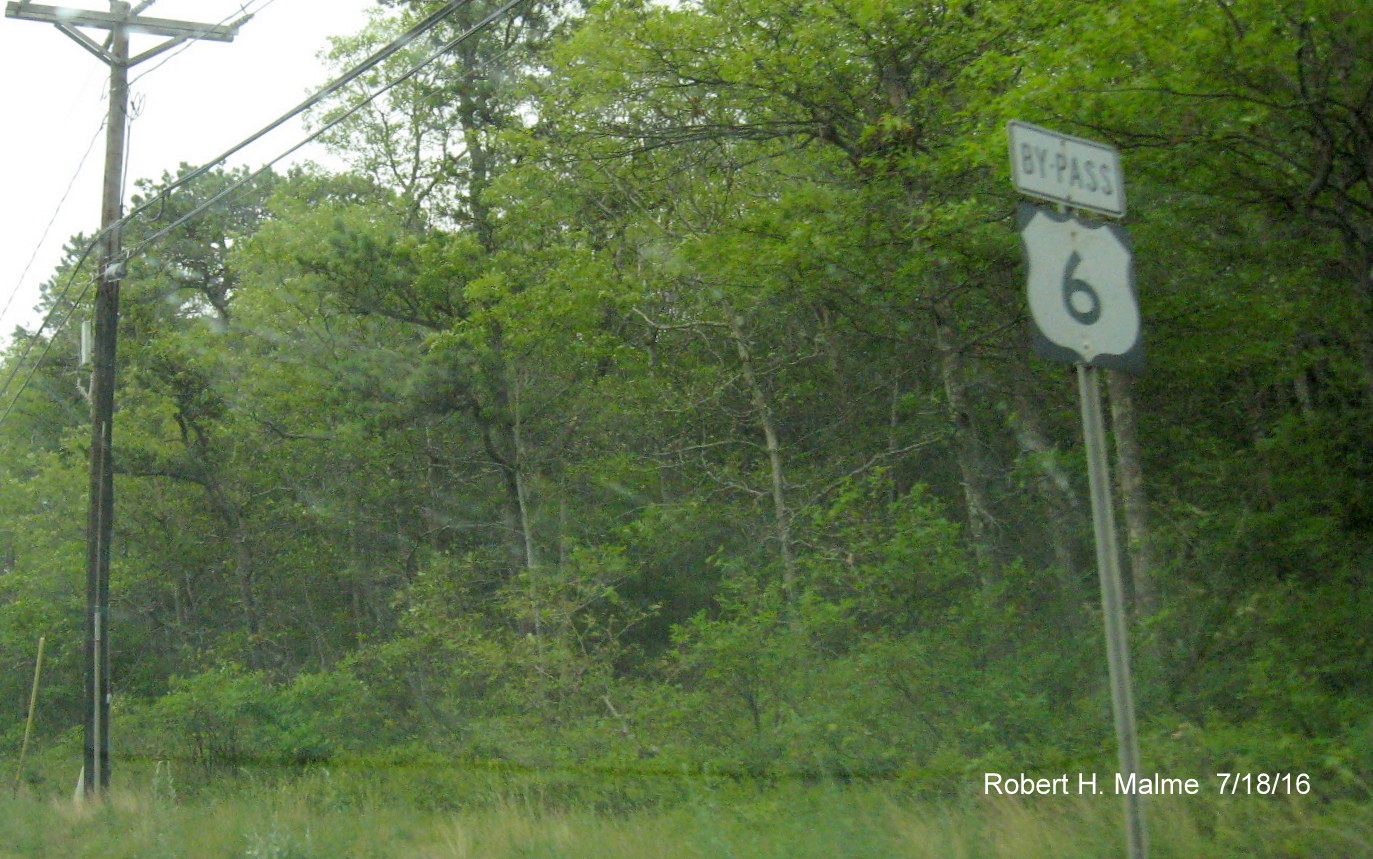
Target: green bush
x=231 y=717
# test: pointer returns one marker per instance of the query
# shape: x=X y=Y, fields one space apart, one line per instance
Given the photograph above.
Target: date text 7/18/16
x=1264 y=784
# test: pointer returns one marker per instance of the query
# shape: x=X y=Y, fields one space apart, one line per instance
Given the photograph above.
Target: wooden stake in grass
x=33 y=711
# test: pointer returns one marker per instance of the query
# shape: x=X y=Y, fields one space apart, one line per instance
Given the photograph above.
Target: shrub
x=231 y=717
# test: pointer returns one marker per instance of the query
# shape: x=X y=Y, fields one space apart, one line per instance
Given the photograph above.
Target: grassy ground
x=313 y=817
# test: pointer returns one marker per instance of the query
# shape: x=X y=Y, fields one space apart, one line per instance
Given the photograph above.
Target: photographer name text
x=1124 y=784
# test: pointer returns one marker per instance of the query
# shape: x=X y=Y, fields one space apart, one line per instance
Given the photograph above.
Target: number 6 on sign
x=1076 y=292
x=1081 y=290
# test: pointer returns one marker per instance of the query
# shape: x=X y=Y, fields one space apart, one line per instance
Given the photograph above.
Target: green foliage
x=230 y=718
x=300 y=819
x=652 y=396
x=894 y=661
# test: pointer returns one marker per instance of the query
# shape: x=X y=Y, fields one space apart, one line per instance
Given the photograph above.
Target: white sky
x=205 y=99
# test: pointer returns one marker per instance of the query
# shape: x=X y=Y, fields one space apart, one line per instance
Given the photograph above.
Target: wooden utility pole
x=120 y=22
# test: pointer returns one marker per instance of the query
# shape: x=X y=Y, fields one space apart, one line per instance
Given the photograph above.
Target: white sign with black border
x=1081 y=290
x=1064 y=169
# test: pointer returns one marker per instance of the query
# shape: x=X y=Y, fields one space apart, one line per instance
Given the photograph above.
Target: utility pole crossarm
x=88 y=43
x=108 y=21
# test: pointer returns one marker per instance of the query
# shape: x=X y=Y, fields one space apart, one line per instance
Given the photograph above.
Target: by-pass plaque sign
x=1064 y=169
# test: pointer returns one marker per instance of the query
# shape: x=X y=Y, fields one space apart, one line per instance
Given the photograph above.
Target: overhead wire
x=414 y=70
x=376 y=58
x=60 y=299
x=242 y=16
x=371 y=62
x=57 y=211
x=47 y=346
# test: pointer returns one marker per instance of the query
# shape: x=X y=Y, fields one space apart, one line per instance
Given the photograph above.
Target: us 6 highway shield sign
x=1081 y=290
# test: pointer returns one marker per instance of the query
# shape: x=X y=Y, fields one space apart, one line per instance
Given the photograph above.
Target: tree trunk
x=1360 y=255
x=1130 y=474
x=1365 y=347
x=531 y=560
x=967 y=450
x=512 y=519
x=243 y=564
x=1066 y=516
x=780 y=509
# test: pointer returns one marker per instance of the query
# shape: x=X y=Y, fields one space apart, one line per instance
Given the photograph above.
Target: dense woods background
x=655 y=391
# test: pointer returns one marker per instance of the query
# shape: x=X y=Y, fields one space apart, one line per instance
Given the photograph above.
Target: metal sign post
x=1081 y=296
x=1112 y=603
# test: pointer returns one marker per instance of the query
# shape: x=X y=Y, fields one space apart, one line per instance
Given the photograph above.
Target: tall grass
x=324 y=815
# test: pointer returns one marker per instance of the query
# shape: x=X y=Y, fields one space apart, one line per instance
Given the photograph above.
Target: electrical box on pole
x=87 y=342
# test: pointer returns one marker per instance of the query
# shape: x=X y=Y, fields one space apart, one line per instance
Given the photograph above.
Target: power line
x=318 y=96
x=56 y=212
x=378 y=57
x=348 y=77
x=414 y=70
x=33 y=368
x=243 y=16
x=96 y=752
